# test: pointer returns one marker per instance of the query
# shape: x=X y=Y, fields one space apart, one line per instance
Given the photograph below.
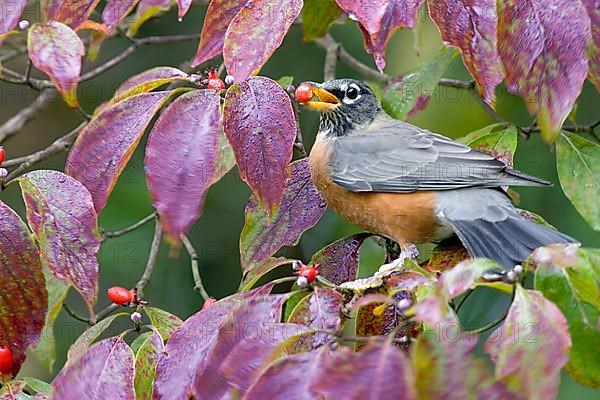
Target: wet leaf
x=578 y=166
x=576 y=292
x=115 y=12
x=185 y=355
x=57 y=51
x=543 y=46
x=321 y=310
x=317 y=17
x=289 y=377
x=410 y=93
x=183 y=7
x=83 y=342
x=61 y=215
x=106 y=371
x=499 y=140
x=260 y=125
x=255 y=33
x=531 y=346
x=379 y=19
x=146 y=10
x=164 y=322
x=11 y=14
x=218 y=17
x=180 y=159
x=471 y=27
x=23 y=296
x=301 y=208
x=593 y=9
x=145 y=363
x=106 y=144
x=70 y=12
x=454 y=282
x=372 y=373
x=338 y=262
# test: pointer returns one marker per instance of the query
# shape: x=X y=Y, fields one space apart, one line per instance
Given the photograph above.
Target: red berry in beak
x=304 y=93
x=6 y=360
x=120 y=295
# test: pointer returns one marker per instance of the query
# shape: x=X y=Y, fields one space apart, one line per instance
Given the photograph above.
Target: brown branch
x=143 y=221
x=17 y=121
x=198 y=285
x=152 y=257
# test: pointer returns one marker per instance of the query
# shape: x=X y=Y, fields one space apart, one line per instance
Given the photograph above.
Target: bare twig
x=198 y=285
x=152 y=257
x=17 y=121
x=143 y=221
x=76 y=316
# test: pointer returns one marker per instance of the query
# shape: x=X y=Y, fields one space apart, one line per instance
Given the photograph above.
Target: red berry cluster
x=214 y=82
x=306 y=273
x=120 y=295
x=6 y=360
x=2 y=154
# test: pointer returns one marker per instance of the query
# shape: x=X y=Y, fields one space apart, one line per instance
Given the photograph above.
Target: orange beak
x=327 y=101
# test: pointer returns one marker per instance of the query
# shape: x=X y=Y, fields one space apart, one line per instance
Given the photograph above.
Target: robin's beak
x=327 y=101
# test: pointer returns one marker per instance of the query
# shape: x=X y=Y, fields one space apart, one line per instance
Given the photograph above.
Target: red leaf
x=375 y=372
x=543 y=46
x=184 y=7
x=255 y=33
x=106 y=371
x=260 y=125
x=531 y=346
x=180 y=158
x=61 y=215
x=11 y=12
x=593 y=9
x=69 y=12
x=338 y=262
x=454 y=282
x=379 y=19
x=56 y=50
x=185 y=355
x=115 y=12
x=23 y=295
x=106 y=144
x=301 y=208
x=218 y=16
x=470 y=25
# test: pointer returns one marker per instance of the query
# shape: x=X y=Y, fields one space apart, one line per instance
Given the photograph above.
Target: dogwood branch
x=198 y=285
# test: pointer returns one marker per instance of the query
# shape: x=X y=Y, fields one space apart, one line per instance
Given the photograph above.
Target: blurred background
x=450 y=112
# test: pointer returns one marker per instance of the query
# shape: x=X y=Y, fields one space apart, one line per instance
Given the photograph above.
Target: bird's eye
x=352 y=93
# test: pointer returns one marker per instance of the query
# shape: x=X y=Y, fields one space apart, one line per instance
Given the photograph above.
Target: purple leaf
x=145 y=365
x=61 y=215
x=379 y=19
x=106 y=144
x=218 y=17
x=146 y=10
x=255 y=33
x=23 y=295
x=184 y=7
x=185 y=355
x=85 y=340
x=408 y=281
x=289 y=378
x=180 y=159
x=593 y=9
x=115 y=12
x=106 y=371
x=260 y=125
x=338 y=262
x=70 y=12
x=470 y=25
x=436 y=358
x=372 y=373
x=321 y=310
x=56 y=50
x=164 y=322
x=543 y=46
x=250 y=357
x=531 y=346
x=11 y=12
x=301 y=208
x=454 y=282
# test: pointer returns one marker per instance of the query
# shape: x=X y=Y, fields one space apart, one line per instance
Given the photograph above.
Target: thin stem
x=143 y=221
x=105 y=312
x=152 y=257
x=198 y=285
x=74 y=315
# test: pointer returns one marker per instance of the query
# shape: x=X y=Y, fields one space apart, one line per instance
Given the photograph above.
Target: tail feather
x=508 y=242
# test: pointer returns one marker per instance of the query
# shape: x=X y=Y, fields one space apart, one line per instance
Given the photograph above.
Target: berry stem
x=198 y=285
x=151 y=259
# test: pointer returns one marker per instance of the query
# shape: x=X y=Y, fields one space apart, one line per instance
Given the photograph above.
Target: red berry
x=6 y=360
x=216 y=84
x=304 y=93
x=2 y=154
x=212 y=74
x=209 y=302
x=120 y=295
x=310 y=272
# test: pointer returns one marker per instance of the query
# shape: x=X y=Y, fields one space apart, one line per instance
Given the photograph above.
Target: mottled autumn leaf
x=499 y=140
x=115 y=12
x=317 y=17
x=11 y=14
x=593 y=9
x=70 y=12
x=338 y=261
x=164 y=322
x=146 y=358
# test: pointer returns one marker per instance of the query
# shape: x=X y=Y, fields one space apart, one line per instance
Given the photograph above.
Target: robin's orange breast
x=403 y=217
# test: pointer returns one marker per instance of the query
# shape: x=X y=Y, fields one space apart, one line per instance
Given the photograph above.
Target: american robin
x=414 y=186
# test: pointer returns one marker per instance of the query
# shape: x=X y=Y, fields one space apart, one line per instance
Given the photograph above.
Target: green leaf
x=576 y=291
x=285 y=81
x=38 y=385
x=317 y=17
x=578 y=166
x=252 y=275
x=145 y=365
x=165 y=322
x=411 y=93
x=499 y=140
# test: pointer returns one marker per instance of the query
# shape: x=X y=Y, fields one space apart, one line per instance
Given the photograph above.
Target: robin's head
x=344 y=104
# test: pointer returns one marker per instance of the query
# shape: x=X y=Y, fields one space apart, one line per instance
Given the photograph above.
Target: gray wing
x=394 y=156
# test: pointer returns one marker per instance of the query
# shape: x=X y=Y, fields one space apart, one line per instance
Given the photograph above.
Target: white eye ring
x=352 y=88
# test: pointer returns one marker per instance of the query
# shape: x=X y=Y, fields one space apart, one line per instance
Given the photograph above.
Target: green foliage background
x=451 y=112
